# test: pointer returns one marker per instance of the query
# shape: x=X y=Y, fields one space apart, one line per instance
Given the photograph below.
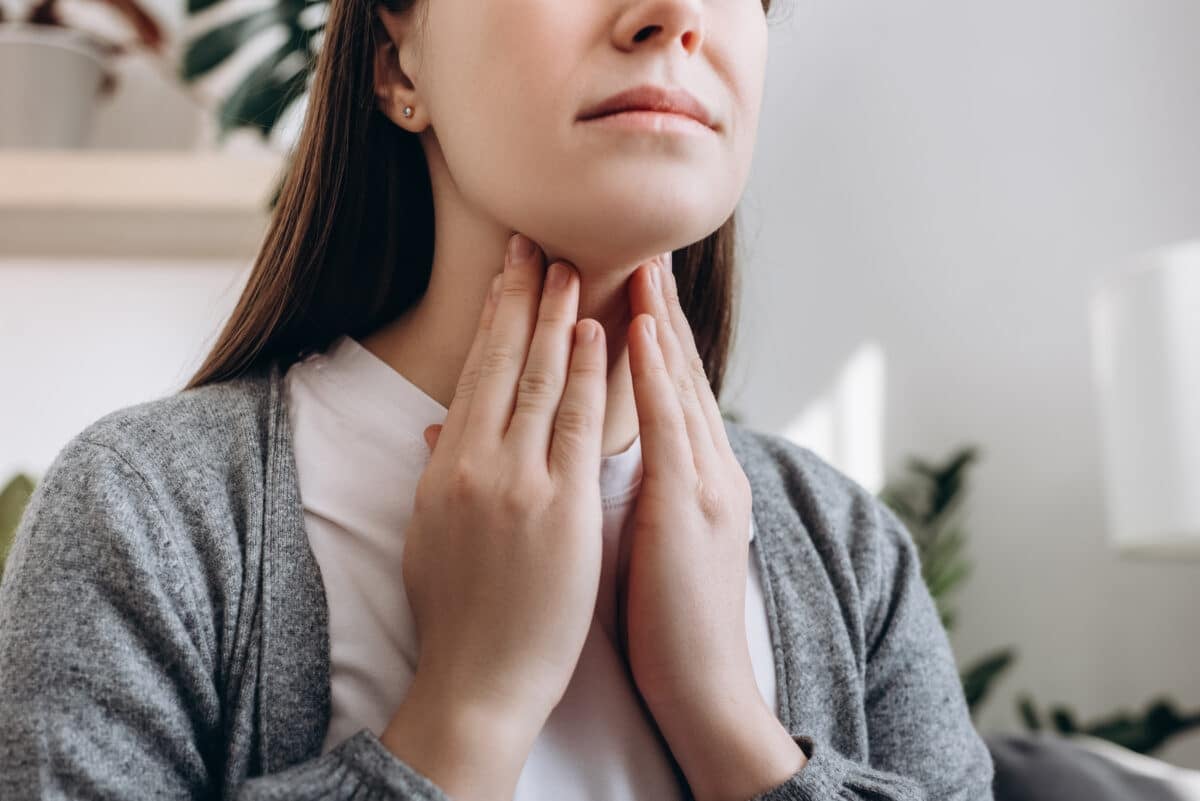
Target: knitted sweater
x=164 y=629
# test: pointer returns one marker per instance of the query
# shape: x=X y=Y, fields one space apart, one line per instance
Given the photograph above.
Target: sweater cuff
x=829 y=775
x=367 y=756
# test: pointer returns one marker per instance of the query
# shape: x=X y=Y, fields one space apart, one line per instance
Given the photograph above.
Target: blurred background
x=970 y=282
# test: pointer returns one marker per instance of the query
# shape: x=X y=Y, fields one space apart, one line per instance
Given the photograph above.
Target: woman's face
x=500 y=85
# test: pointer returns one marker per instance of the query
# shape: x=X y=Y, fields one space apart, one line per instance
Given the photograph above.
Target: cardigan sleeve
x=108 y=662
x=923 y=745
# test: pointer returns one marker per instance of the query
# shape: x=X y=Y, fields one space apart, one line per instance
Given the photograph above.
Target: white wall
x=939 y=180
x=946 y=179
x=81 y=339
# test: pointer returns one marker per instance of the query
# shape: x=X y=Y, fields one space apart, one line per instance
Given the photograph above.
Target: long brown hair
x=349 y=246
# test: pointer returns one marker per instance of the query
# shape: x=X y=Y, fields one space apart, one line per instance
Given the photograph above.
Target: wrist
x=469 y=748
x=732 y=750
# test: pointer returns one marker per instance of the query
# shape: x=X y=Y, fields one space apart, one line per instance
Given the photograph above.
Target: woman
x=421 y=528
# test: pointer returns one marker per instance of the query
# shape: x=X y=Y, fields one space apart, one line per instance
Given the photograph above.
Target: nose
x=662 y=23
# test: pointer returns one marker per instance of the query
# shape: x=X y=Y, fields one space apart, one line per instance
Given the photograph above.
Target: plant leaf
x=980 y=677
x=13 y=499
x=269 y=88
x=214 y=46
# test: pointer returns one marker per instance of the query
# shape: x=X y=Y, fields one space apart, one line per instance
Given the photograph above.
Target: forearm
x=471 y=752
x=732 y=753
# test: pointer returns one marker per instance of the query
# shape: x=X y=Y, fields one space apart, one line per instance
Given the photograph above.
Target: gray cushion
x=1041 y=766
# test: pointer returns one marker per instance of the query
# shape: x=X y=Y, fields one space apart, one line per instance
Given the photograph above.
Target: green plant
x=1143 y=733
x=276 y=81
x=13 y=498
x=928 y=501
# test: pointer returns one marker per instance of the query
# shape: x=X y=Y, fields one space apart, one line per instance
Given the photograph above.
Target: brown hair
x=349 y=246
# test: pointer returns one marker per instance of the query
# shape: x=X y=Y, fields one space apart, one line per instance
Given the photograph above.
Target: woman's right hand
x=503 y=551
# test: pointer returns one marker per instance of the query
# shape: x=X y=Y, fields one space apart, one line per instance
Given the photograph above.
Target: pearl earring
x=408 y=111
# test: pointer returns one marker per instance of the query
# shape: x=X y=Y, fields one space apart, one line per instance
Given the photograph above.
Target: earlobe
x=394 y=94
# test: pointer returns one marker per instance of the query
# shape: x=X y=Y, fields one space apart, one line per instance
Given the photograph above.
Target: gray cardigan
x=164 y=629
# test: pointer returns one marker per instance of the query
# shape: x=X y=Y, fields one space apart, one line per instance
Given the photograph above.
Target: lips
x=652 y=98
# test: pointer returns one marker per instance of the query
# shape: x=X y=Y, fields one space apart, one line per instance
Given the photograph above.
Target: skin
x=496 y=87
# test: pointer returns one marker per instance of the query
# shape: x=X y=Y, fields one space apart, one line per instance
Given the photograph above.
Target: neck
x=429 y=343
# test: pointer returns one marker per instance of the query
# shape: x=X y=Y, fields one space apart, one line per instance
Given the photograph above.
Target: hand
x=686 y=545
x=684 y=557
x=503 y=552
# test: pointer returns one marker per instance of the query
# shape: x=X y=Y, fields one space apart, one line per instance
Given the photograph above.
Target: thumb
x=431 y=435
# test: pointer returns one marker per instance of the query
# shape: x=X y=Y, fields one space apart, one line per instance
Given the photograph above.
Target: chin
x=622 y=241
x=629 y=227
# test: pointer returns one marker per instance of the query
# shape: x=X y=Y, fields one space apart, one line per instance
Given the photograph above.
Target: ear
x=395 y=50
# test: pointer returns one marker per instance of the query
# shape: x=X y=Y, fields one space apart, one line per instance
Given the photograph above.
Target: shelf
x=133 y=204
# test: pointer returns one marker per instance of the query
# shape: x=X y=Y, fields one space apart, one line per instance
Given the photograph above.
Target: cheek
x=745 y=67
x=501 y=74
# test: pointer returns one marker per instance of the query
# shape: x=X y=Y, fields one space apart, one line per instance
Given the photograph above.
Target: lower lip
x=653 y=121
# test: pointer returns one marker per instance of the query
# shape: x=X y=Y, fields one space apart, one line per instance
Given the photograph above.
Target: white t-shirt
x=358 y=428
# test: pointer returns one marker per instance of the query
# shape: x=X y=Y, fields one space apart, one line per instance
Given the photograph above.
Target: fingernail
x=519 y=248
x=558 y=275
x=655 y=279
x=649 y=327
x=587 y=332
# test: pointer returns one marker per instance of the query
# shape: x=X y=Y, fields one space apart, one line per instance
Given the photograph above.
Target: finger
x=431 y=435
x=460 y=404
x=541 y=385
x=503 y=356
x=700 y=438
x=665 y=448
x=687 y=340
x=579 y=422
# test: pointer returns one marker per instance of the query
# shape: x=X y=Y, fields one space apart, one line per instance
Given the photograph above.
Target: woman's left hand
x=683 y=559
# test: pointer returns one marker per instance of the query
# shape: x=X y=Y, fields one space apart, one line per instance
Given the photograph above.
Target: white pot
x=50 y=80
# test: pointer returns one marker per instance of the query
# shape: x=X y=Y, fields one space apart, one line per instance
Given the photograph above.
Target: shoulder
x=214 y=425
x=184 y=472
x=198 y=454
x=162 y=494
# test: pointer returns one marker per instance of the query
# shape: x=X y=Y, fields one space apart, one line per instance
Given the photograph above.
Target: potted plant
x=53 y=71
x=929 y=500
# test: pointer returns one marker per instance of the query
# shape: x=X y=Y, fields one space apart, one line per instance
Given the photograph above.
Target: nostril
x=645 y=33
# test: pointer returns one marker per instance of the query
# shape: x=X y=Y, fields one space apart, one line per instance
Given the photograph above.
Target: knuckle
x=587 y=368
x=518 y=496
x=710 y=501
x=513 y=500
x=696 y=366
x=553 y=312
x=536 y=385
x=574 y=418
x=462 y=480
x=657 y=371
x=466 y=382
x=565 y=460
x=555 y=318
x=684 y=386
x=498 y=358
x=516 y=284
